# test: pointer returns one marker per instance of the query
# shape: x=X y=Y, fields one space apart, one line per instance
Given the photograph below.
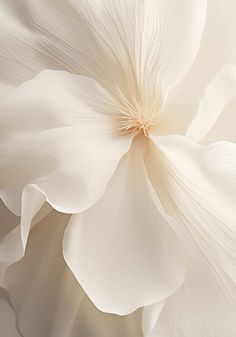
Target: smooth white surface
x=218 y=94
x=139 y=52
x=123 y=250
x=64 y=129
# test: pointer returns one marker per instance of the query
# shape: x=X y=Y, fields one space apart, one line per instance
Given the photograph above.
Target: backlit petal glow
x=119 y=181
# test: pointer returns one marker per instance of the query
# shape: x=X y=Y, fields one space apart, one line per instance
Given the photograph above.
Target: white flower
x=46 y=296
x=102 y=136
x=203 y=198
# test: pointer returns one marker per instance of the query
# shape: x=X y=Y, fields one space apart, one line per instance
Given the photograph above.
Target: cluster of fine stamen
x=137 y=117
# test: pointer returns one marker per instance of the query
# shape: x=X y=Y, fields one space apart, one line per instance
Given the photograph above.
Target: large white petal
x=12 y=246
x=36 y=282
x=156 y=42
x=48 y=299
x=169 y=42
x=217 y=49
x=205 y=305
x=224 y=128
x=140 y=47
x=58 y=132
x=122 y=250
x=221 y=90
x=197 y=185
x=22 y=53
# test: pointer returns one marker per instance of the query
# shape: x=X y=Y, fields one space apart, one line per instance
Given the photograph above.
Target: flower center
x=137 y=118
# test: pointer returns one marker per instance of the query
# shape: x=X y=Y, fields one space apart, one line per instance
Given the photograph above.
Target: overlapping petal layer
x=203 y=306
x=34 y=282
x=48 y=299
x=219 y=93
x=22 y=54
x=155 y=41
x=150 y=316
x=122 y=250
x=60 y=130
x=137 y=50
x=217 y=49
x=196 y=185
x=12 y=245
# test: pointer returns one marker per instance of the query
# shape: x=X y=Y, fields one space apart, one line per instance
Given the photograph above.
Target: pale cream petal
x=224 y=128
x=123 y=250
x=39 y=144
x=22 y=54
x=34 y=283
x=220 y=91
x=171 y=36
x=47 y=298
x=204 y=306
x=58 y=132
x=150 y=317
x=196 y=185
x=12 y=246
x=217 y=49
x=156 y=43
x=139 y=47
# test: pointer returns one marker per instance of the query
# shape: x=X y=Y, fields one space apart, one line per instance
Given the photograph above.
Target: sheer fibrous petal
x=203 y=306
x=219 y=93
x=122 y=250
x=141 y=48
x=196 y=185
x=46 y=296
x=217 y=49
x=12 y=246
x=34 y=283
x=137 y=211
x=57 y=131
x=22 y=54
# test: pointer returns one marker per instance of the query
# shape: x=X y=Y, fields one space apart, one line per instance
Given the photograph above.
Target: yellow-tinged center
x=137 y=118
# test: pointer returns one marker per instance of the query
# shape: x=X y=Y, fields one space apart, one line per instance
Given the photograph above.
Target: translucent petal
x=58 y=132
x=123 y=250
x=217 y=49
x=140 y=48
x=203 y=306
x=46 y=297
x=196 y=185
x=12 y=246
x=220 y=91
x=150 y=317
